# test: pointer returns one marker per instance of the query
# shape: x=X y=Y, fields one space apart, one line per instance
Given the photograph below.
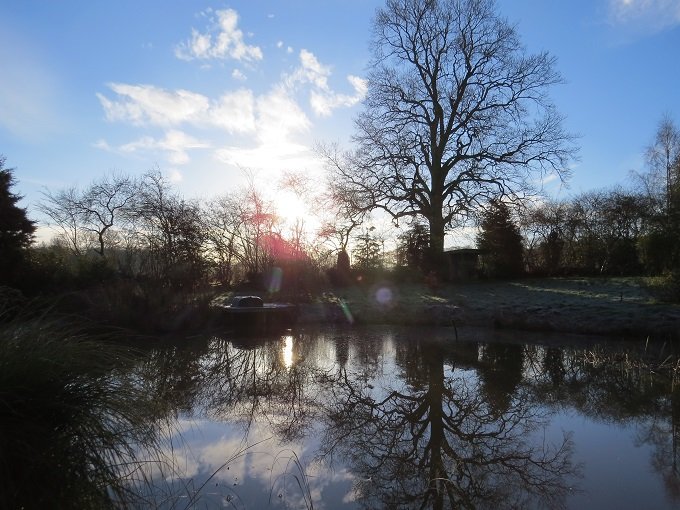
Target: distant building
x=464 y=264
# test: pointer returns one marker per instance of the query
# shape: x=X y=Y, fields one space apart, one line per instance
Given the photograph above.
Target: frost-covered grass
x=618 y=306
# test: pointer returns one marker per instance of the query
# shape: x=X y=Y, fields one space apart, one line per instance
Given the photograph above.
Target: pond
x=394 y=417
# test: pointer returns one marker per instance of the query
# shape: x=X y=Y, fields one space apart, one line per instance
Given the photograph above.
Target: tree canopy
x=456 y=114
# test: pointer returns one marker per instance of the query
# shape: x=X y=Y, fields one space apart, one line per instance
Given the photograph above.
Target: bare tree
x=62 y=208
x=106 y=202
x=663 y=157
x=258 y=220
x=87 y=218
x=337 y=216
x=543 y=226
x=172 y=230
x=238 y=226
x=456 y=114
x=223 y=225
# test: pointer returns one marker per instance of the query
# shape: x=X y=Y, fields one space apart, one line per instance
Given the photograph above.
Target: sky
x=212 y=92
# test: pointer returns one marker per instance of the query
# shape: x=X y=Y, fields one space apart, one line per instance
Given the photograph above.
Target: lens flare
x=275 y=279
x=384 y=296
x=345 y=309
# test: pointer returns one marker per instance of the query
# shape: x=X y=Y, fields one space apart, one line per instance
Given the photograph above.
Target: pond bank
x=620 y=307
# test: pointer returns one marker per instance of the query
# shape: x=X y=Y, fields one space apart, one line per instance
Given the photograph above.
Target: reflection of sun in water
x=288 y=351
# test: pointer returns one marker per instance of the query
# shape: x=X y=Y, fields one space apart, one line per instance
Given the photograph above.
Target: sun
x=294 y=212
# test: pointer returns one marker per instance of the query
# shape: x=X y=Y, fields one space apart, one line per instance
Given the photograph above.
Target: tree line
x=144 y=228
x=624 y=230
x=456 y=128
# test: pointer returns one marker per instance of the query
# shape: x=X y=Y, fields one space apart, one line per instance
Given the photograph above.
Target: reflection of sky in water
x=262 y=449
x=257 y=474
x=617 y=472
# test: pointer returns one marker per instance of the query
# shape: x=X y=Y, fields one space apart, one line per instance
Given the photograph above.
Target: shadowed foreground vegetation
x=72 y=423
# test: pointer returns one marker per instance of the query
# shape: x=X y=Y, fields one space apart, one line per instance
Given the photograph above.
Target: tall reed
x=71 y=421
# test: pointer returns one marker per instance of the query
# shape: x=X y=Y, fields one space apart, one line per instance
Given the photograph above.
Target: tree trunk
x=101 y=245
x=437 y=441
x=436 y=261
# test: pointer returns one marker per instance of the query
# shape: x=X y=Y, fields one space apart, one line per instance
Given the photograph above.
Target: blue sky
x=205 y=90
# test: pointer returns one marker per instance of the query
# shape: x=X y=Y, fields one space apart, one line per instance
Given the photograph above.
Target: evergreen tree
x=414 y=247
x=16 y=230
x=367 y=252
x=500 y=242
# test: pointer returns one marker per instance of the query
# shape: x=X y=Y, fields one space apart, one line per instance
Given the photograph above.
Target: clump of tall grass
x=665 y=288
x=71 y=422
x=655 y=360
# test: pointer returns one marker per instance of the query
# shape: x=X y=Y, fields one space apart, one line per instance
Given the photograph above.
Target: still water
x=393 y=417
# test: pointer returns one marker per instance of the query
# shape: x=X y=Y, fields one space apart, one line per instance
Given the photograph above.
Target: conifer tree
x=500 y=242
x=16 y=230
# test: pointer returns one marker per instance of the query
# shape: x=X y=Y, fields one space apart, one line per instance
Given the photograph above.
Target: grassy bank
x=602 y=306
x=632 y=307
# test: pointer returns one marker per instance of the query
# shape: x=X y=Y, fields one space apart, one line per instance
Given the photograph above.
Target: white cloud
x=322 y=99
x=103 y=145
x=647 y=16
x=174 y=175
x=234 y=112
x=237 y=74
x=222 y=40
x=549 y=179
x=280 y=45
x=148 y=105
x=323 y=103
x=275 y=124
x=175 y=145
x=278 y=119
x=309 y=71
x=270 y=156
x=272 y=120
x=278 y=116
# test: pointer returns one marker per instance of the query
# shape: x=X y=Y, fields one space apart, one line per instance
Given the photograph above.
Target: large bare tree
x=456 y=114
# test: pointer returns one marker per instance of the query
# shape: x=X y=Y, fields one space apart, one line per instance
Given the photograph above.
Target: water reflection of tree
x=439 y=442
x=618 y=386
x=452 y=427
x=663 y=432
x=239 y=380
x=500 y=371
x=173 y=373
